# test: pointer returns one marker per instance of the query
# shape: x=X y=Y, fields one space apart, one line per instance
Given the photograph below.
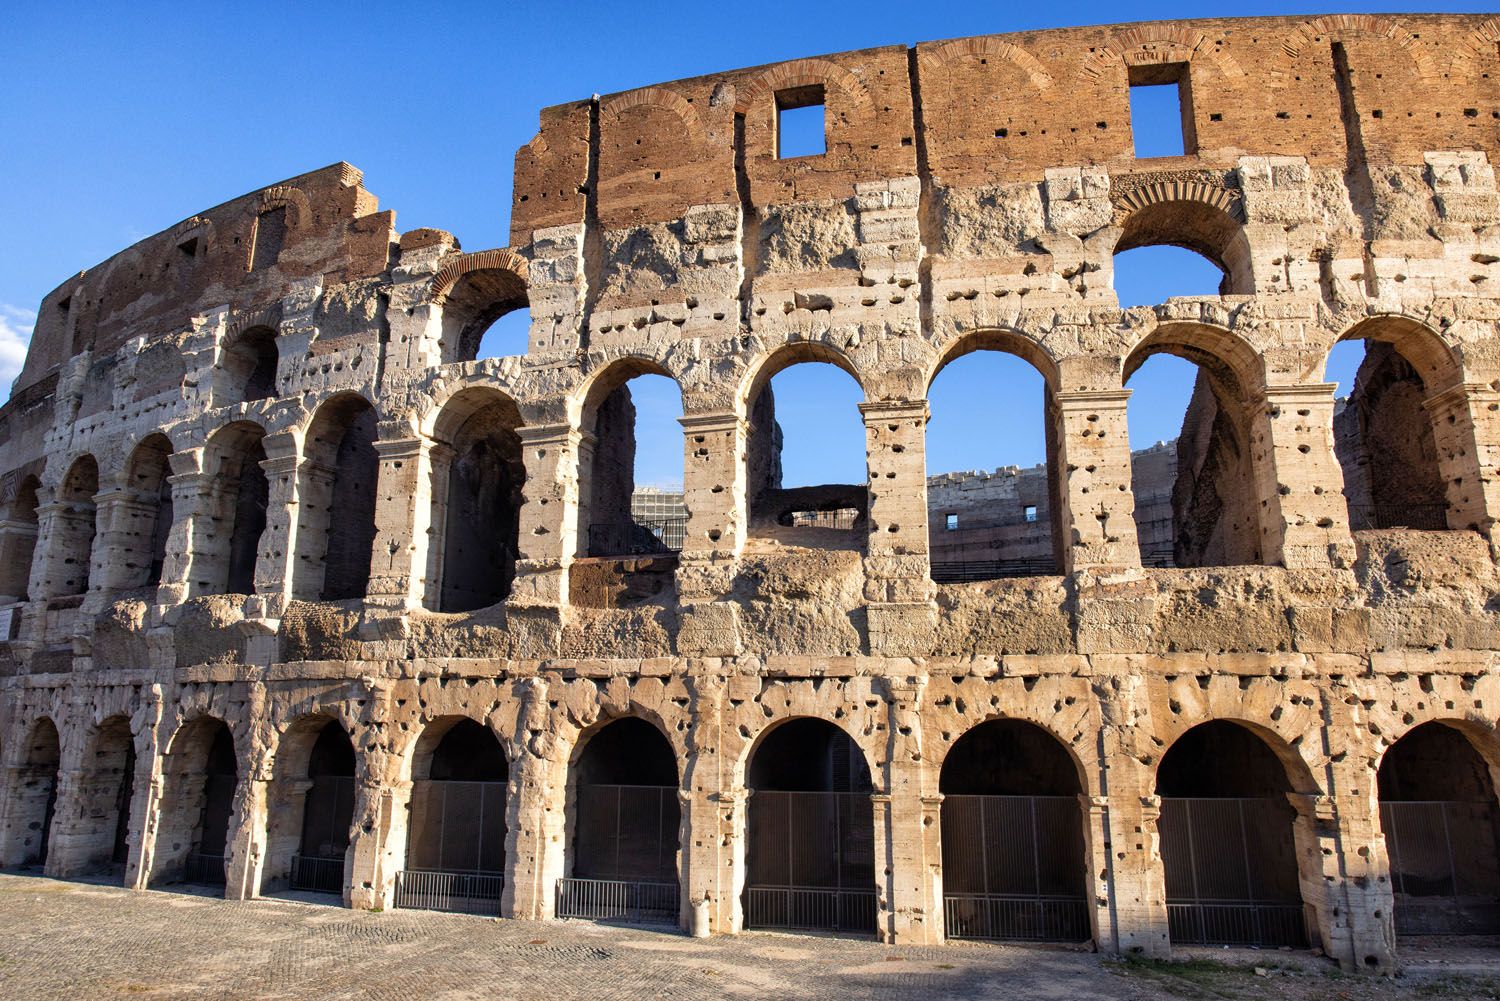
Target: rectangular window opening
x=800 y=123
x=1161 y=111
x=189 y=247
x=952 y=522
x=270 y=232
x=1030 y=512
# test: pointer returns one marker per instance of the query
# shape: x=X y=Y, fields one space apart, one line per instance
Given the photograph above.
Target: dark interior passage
x=1227 y=842
x=1013 y=848
x=327 y=813
x=1442 y=834
x=810 y=849
x=34 y=794
x=626 y=820
x=481 y=517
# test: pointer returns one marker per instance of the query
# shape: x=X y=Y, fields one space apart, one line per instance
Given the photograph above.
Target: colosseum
x=300 y=592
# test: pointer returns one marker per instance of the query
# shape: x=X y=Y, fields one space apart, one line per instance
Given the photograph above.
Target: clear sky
x=121 y=119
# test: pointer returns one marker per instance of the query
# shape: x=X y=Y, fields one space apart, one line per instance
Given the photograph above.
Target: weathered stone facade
x=254 y=481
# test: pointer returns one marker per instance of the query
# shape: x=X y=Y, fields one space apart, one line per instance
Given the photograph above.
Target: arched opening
x=1442 y=834
x=625 y=820
x=485 y=315
x=1196 y=495
x=1013 y=839
x=1385 y=437
x=247 y=368
x=227 y=543
x=1227 y=845
x=73 y=529
x=806 y=452
x=105 y=788
x=336 y=509
x=18 y=544
x=149 y=512
x=34 y=796
x=1220 y=265
x=476 y=502
x=635 y=447
x=311 y=807
x=810 y=849
x=199 y=776
x=455 y=849
x=991 y=497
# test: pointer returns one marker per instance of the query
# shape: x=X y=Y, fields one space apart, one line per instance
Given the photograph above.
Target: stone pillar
x=908 y=877
x=549 y=531
x=714 y=494
x=898 y=581
x=403 y=516
x=17 y=546
x=535 y=821
x=62 y=528
x=309 y=562
x=377 y=837
x=191 y=488
x=1466 y=431
x=1299 y=483
x=72 y=834
x=1136 y=887
x=245 y=844
x=706 y=834
x=122 y=557
x=1095 y=516
x=275 y=559
x=145 y=804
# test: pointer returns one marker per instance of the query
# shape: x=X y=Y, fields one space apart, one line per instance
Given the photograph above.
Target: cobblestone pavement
x=81 y=941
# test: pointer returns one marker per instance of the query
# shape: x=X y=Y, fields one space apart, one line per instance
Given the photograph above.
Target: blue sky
x=121 y=119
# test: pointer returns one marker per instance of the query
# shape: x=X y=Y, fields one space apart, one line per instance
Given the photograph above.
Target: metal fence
x=1445 y=873
x=811 y=861
x=622 y=900
x=626 y=833
x=317 y=875
x=842 y=520
x=1433 y=517
x=459 y=892
x=967 y=571
x=1013 y=868
x=205 y=869
x=1231 y=872
x=457 y=827
x=641 y=537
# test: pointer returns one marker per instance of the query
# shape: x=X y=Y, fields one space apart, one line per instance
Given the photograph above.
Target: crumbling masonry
x=300 y=592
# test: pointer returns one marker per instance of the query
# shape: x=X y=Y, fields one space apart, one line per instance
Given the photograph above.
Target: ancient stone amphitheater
x=301 y=594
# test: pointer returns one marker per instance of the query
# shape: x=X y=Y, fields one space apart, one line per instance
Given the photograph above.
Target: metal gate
x=811 y=861
x=1231 y=872
x=1013 y=868
x=455 y=856
x=326 y=815
x=1445 y=872
x=625 y=855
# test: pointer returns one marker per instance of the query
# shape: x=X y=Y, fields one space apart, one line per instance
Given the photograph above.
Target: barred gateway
x=299 y=591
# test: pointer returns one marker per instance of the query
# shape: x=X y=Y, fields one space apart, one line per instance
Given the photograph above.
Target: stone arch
x=33 y=794
x=1194 y=215
x=197 y=811
x=310 y=804
x=1259 y=895
x=74 y=526
x=248 y=360
x=801 y=73
x=607 y=525
x=1005 y=340
x=339 y=472
x=18 y=534
x=223 y=561
x=98 y=835
x=473 y=291
x=149 y=512
x=289 y=197
x=656 y=97
x=1319 y=29
x=763 y=369
x=477 y=480
x=623 y=838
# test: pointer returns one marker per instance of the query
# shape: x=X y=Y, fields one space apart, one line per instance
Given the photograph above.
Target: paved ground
x=83 y=942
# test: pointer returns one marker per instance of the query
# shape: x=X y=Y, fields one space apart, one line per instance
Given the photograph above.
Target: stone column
x=72 y=830
x=403 y=515
x=377 y=839
x=535 y=821
x=146 y=802
x=714 y=494
x=245 y=844
x=898 y=581
x=1096 y=506
x=17 y=546
x=191 y=488
x=549 y=530
x=61 y=530
x=275 y=558
x=706 y=832
x=1136 y=886
x=123 y=549
x=908 y=876
x=1466 y=431
x=1299 y=483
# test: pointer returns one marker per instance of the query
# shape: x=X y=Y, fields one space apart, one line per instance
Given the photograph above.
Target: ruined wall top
x=1005 y=108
